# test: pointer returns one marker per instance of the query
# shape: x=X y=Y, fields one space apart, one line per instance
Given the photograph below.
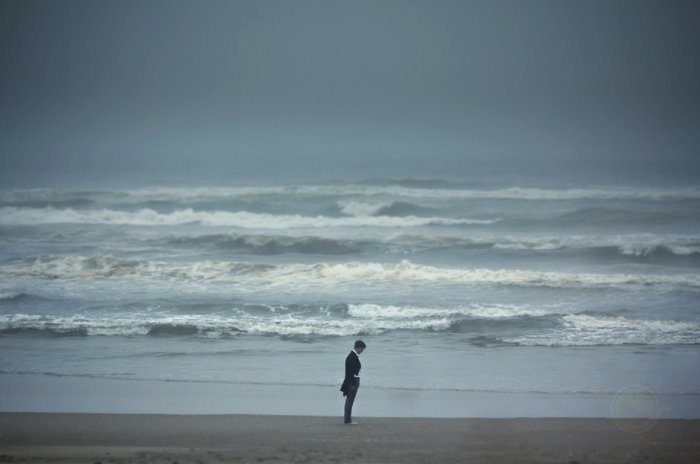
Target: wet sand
x=122 y=438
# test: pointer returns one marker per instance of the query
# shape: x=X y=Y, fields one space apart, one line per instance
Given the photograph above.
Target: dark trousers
x=349 y=400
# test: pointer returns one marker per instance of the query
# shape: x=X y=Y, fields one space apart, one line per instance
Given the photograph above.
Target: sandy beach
x=91 y=438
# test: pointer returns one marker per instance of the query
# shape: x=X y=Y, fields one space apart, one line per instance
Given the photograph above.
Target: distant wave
x=410 y=272
x=108 y=266
x=39 y=198
x=603 y=217
x=75 y=203
x=374 y=311
x=638 y=248
x=677 y=255
x=173 y=329
x=269 y=245
x=11 y=296
x=393 y=208
x=411 y=182
x=513 y=193
x=242 y=219
x=324 y=274
x=427 y=190
x=45 y=331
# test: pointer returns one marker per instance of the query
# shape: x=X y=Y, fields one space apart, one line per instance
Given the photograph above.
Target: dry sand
x=115 y=438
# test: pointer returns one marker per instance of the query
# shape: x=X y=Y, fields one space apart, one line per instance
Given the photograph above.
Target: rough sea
x=454 y=286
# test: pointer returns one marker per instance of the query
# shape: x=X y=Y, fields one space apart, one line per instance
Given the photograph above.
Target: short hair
x=360 y=344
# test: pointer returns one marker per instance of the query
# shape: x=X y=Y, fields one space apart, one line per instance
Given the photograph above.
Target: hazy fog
x=358 y=87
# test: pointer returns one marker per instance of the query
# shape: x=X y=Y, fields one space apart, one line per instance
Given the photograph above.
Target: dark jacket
x=352 y=368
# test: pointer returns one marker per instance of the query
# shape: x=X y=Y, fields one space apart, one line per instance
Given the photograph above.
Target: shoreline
x=150 y=438
x=55 y=394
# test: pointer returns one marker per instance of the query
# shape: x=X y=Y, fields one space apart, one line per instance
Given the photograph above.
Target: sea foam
x=589 y=330
x=241 y=219
x=324 y=274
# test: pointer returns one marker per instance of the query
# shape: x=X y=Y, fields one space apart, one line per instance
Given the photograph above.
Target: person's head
x=360 y=346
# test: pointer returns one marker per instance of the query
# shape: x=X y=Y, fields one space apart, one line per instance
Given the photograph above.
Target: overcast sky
x=337 y=83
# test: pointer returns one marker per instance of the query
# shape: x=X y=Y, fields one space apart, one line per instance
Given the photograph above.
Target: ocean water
x=454 y=286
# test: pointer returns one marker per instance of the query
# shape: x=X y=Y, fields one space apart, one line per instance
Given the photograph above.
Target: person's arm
x=352 y=368
x=349 y=372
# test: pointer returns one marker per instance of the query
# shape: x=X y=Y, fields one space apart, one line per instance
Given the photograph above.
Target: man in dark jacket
x=352 y=379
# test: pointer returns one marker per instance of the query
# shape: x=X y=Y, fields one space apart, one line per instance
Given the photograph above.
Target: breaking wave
x=587 y=330
x=106 y=266
x=242 y=219
x=284 y=323
x=12 y=296
x=410 y=272
x=392 y=208
x=536 y=326
x=669 y=250
x=325 y=274
x=310 y=320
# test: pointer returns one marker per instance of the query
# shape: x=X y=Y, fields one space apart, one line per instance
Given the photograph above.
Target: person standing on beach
x=352 y=379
